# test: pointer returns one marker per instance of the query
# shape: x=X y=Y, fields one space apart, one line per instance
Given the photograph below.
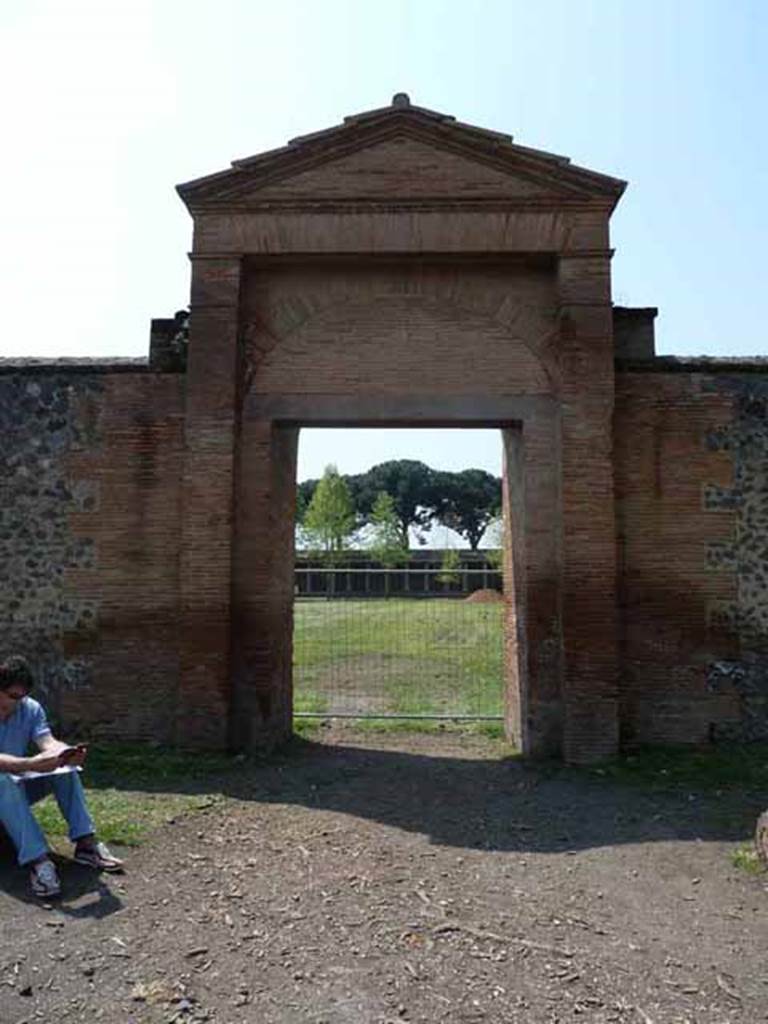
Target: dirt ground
x=400 y=879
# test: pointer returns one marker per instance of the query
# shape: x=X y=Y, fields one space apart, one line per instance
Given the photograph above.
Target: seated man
x=22 y=721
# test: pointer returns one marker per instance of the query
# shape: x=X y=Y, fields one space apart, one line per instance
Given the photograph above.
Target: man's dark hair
x=15 y=671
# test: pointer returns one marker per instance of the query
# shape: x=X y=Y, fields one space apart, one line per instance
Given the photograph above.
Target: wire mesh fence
x=413 y=581
x=432 y=653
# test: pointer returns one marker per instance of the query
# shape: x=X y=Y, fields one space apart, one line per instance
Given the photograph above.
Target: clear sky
x=108 y=104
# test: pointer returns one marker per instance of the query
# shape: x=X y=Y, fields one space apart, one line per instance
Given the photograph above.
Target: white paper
x=27 y=776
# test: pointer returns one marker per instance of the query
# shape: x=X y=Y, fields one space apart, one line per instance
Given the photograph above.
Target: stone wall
x=745 y=441
x=91 y=459
x=90 y=463
x=43 y=419
x=692 y=511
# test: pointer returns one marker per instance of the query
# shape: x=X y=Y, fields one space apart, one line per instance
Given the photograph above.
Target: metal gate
x=398 y=643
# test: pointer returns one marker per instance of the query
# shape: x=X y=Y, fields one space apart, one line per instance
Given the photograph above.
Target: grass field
x=431 y=656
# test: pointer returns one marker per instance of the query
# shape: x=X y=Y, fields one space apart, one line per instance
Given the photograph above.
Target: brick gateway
x=400 y=269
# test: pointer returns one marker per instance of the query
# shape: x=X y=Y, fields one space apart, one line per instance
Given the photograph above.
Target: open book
x=26 y=776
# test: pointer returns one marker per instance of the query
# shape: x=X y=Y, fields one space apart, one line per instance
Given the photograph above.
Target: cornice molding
x=473 y=256
x=424 y=204
x=715 y=365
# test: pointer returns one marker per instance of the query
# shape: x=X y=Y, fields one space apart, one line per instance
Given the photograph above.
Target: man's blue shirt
x=27 y=723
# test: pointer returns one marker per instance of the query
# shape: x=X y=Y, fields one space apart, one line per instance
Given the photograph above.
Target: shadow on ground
x=88 y=895
x=467 y=797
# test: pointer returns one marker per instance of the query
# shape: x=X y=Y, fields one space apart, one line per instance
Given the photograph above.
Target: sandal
x=98 y=856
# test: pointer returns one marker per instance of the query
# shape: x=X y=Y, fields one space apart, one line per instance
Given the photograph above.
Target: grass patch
x=121 y=817
x=133 y=764
x=736 y=772
x=491 y=730
x=132 y=790
x=716 y=768
x=395 y=656
x=308 y=728
x=308 y=701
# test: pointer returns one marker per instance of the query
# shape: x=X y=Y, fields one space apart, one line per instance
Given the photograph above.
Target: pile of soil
x=485 y=596
x=405 y=879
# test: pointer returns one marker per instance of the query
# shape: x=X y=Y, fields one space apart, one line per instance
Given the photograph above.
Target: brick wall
x=692 y=510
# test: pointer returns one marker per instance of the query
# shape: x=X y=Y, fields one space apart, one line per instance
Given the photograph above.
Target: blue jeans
x=16 y=799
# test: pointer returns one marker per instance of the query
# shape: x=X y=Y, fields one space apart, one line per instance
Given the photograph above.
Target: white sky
x=109 y=104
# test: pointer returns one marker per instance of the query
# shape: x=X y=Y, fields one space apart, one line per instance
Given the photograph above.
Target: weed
x=745 y=858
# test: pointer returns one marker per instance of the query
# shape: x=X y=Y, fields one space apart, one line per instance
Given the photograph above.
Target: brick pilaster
x=263 y=585
x=590 y=636
x=207 y=502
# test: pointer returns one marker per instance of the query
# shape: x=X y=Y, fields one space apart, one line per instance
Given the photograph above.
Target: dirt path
x=406 y=879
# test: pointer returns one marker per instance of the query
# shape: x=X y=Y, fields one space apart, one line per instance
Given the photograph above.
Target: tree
x=386 y=543
x=412 y=487
x=301 y=507
x=329 y=522
x=468 y=502
x=304 y=493
x=449 y=570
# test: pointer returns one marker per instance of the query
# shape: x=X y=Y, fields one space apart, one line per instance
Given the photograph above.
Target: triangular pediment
x=400 y=154
x=398 y=167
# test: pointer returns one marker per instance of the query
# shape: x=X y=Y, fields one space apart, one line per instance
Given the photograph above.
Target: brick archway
x=328 y=286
